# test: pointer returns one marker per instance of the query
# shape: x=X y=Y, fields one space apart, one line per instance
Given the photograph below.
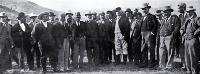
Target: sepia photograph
x=99 y=36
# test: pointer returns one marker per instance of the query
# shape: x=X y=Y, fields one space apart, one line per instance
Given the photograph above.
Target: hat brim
x=33 y=16
x=21 y=17
x=129 y=12
x=171 y=10
x=146 y=7
x=190 y=10
x=88 y=14
x=69 y=14
x=52 y=15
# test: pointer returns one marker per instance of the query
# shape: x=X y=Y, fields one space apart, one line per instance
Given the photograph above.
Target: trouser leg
x=162 y=53
x=82 y=50
x=76 y=53
x=66 y=53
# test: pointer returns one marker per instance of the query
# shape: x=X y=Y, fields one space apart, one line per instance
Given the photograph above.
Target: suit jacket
x=21 y=37
x=172 y=26
x=5 y=35
x=80 y=30
x=183 y=18
x=58 y=34
x=192 y=30
x=124 y=26
x=149 y=24
x=104 y=29
x=91 y=29
x=44 y=34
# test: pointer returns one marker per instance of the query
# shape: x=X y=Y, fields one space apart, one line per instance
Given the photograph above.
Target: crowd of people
x=146 y=40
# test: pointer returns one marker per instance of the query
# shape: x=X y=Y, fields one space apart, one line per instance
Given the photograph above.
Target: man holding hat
x=92 y=40
x=191 y=32
x=6 y=43
x=79 y=43
x=168 y=31
x=43 y=32
x=148 y=32
x=21 y=34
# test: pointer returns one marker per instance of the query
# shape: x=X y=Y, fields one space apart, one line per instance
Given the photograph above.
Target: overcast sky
x=78 y=5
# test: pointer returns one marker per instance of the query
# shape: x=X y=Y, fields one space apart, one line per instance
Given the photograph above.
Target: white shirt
x=45 y=24
x=78 y=23
x=117 y=29
x=22 y=26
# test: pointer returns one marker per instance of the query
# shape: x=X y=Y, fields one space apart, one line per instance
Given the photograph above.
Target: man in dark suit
x=182 y=17
x=148 y=31
x=21 y=34
x=122 y=36
x=111 y=49
x=92 y=40
x=6 y=43
x=104 y=38
x=79 y=41
x=43 y=32
x=35 y=48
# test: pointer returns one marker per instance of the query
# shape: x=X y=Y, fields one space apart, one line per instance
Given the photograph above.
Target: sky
x=79 y=5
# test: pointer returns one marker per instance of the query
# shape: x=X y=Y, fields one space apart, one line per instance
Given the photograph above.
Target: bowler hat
x=129 y=10
x=190 y=8
x=118 y=9
x=168 y=8
x=21 y=15
x=78 y=14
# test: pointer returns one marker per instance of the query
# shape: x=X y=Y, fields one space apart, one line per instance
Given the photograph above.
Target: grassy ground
x=129 y=68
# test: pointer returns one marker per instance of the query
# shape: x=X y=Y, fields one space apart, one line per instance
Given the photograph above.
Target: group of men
x=128 y=35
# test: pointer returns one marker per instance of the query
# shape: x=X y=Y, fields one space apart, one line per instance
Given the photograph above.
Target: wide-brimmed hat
x=88 y=13
x=158 y=12
x=21 y=15
x=128 y=10
x=146 y=5
x=42 y=14
x=190 y=8
x=3 y=14
x=32 y=15
x=51 y=14
x=69 y=12
x=168 y=8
